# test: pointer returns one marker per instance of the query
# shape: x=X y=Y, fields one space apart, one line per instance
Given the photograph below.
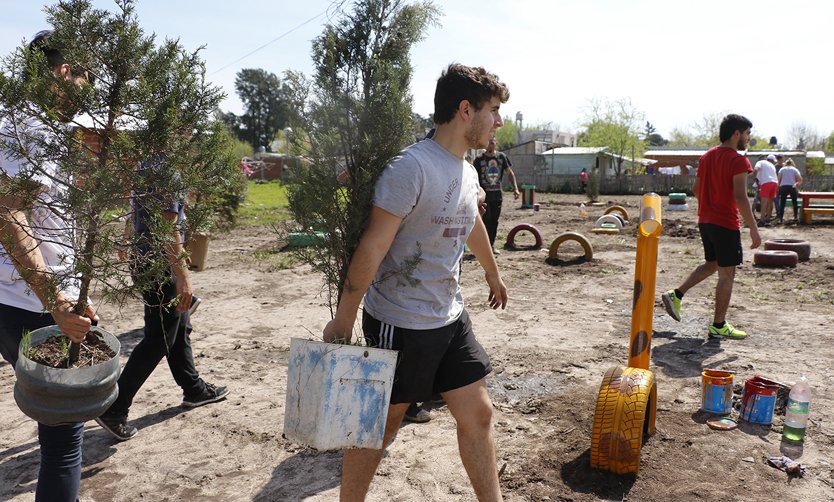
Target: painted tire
x=625 y=411
x=571 y=236
x=775 y=258
x=800 y=247
x=677 y=196
x=609 y=218
x=618 y=209
x=605 y=230
x=524 y=227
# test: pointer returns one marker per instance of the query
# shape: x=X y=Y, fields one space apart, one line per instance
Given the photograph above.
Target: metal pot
x=55 y=396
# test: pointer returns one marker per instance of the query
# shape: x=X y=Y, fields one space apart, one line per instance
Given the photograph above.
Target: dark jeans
x=60 y=471
x=784 y=191
x=166 y=335
x=490 y=217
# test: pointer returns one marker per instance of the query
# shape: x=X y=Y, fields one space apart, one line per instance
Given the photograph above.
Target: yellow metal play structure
x=627 y=400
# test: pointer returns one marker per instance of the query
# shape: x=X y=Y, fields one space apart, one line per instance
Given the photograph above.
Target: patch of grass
x=276 y=260
x=265 y=205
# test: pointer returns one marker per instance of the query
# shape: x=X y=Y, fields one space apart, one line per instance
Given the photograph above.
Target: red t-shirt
x=716 y=202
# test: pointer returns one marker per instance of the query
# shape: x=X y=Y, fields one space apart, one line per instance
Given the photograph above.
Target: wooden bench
x=808 y=210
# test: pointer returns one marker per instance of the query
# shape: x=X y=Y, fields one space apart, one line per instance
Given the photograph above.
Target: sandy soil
x=564 y=327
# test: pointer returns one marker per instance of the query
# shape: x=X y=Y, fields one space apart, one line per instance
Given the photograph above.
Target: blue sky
x=675 y=61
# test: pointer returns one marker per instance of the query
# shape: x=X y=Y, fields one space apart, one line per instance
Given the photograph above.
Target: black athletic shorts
x=721 y=244
x=430 y=360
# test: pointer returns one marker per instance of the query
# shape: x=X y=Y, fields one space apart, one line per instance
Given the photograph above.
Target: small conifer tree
x=148 y=102
x=358 y=118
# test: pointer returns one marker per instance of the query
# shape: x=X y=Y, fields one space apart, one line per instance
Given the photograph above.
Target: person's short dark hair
x=54 y=57
x=779 y=157
x=731 y=124
x=459 y=82
x=41 y=42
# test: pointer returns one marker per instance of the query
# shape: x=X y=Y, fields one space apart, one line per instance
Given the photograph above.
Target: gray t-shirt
x=436 y=195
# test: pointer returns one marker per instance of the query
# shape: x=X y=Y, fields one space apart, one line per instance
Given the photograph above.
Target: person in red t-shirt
x=721 y=190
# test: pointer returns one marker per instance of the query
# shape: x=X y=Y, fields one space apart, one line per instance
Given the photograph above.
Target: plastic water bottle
x=796 y=415
x=582 y=211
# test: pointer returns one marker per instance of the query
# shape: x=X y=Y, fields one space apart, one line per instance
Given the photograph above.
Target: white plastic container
x=796 y=413
x=337 y=395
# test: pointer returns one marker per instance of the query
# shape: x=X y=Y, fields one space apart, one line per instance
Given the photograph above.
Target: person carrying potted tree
x=167 y=298
x=425 y=208
x=35 y=249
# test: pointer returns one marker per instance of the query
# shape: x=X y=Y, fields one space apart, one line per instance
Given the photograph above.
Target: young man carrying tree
x=425 y=209
x=35 y=249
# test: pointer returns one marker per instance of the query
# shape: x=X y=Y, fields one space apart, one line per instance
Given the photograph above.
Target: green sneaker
x=672 y=304
x=728 y=331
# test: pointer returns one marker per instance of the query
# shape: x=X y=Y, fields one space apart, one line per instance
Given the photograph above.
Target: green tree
x=680 y=137
x=829 y=143
x=359 y=118
x=616 y=126
x=707 y=129
x=149 y=102
x=804 y=137
x=507 y=134
x=422 y=125
x=266 y=104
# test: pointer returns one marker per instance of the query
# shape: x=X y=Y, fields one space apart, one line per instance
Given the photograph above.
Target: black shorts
x=721 y=244
x=430 y=360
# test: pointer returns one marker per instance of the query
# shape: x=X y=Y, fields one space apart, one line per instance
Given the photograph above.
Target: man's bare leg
x=359 y=465
x=472 y=410
x=700 y=273
x=723 y=292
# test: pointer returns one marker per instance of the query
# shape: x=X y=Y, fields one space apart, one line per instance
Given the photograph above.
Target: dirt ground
x=566 y=324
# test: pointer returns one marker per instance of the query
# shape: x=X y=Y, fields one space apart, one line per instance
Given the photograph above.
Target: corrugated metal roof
x=675 y=153
x=698 y=152
x=575 y=150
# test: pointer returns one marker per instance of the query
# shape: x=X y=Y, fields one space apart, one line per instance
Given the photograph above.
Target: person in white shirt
x=765 y=173
x=36 y=252
x=789 y=178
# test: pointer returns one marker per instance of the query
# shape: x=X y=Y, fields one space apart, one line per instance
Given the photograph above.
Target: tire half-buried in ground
x=524 y=227
x=571 y=236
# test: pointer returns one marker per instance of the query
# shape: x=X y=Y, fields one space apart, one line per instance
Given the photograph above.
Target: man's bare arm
x=22 y=248
x=175 y=253
x=374 y=245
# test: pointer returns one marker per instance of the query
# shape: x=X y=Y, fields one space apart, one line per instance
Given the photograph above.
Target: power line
x=279 y=37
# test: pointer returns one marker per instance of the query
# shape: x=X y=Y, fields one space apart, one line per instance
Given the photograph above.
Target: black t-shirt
x=491 y=173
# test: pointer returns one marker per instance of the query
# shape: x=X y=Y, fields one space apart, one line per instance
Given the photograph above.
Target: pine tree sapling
x=358 y=118
x=144 y=100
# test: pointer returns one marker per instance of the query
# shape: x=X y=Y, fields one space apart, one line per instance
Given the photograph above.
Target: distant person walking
x=721 y=190
x=789 y=178
x=491 y=166
x=583 y=180
x=765 y=173
x=779 y=164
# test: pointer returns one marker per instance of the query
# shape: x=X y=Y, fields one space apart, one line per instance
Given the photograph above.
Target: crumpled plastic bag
x=783 y=463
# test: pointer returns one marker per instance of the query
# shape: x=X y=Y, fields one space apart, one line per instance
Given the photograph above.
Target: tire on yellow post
x=625 y=410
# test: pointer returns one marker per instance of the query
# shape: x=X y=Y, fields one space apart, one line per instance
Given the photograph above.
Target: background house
x=687 y=158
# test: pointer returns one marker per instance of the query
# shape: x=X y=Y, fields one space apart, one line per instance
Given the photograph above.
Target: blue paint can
x=759 y=400
x=717 y=391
